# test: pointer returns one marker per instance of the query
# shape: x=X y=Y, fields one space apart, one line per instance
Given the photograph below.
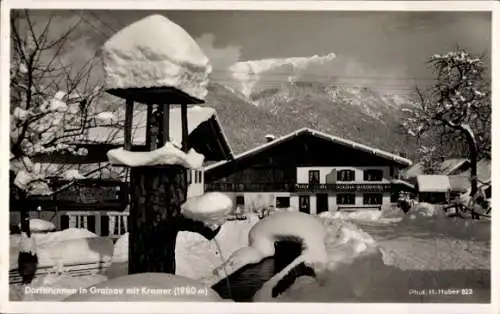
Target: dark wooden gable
x=280 y=161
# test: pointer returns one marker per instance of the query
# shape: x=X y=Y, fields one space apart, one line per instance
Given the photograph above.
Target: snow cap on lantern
x=155 y=53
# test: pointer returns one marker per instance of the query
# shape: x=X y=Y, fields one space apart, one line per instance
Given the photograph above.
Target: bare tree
x=457 y=107
x=428 y=159
x=52 y=104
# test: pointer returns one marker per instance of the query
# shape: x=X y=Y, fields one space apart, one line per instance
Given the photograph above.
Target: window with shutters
x=346 y=175
x=346 y=199
x=313 y=177
x=372 y=199
x=373 y=175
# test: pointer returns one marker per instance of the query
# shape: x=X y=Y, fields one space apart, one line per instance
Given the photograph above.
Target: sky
x=384 y=49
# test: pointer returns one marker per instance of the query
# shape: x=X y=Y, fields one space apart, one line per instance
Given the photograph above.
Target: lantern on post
x=156 y=63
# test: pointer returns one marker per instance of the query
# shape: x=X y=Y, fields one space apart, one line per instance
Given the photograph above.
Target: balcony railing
x=344 y=187
x=250 y=187
x=117 y=221
x=375 y=187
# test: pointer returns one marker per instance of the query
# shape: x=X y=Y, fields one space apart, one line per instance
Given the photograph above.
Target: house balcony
x=367 y=187
x=250 y=187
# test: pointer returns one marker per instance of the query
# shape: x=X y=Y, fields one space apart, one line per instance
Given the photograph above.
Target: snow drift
x=345 y=241
x=71 y=246
x=196 y=257
x=165 y=155
x=425 y=210
x=295 y=226
x=387 y=214
x=155 y=52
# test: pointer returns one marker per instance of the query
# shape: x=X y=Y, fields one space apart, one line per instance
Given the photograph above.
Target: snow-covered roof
x=483 y=170
x=433 y=183
x=447 y=167
x=459 y=183
x=462 y=183
x=155 y=52
x=196 y=115
x=335 y=139
x=403 y=182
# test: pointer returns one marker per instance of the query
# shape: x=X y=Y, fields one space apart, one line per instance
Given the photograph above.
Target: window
x=304 y=204
x=345 y=175
x=313 y=177
x=189 y=177
x=240 y=200
x=373 y=175
x=346 y=199
x=282 y=202
x=372 y=199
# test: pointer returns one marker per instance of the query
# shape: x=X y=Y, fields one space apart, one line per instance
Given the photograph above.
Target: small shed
x=433 y=189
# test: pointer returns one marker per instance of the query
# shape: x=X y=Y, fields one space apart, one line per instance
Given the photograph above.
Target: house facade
x=308 y=171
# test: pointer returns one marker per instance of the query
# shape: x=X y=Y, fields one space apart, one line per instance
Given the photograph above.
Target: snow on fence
x=75 y=270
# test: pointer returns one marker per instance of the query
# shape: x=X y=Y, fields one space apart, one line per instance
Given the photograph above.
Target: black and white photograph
x=225 y=155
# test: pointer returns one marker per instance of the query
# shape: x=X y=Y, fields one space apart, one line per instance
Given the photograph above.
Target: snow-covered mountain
x=247 y=125
x=275 y=83
x=278 y=96
x=250 y=77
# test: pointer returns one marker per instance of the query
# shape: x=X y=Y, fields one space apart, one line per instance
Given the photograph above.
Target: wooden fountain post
x=157 y=192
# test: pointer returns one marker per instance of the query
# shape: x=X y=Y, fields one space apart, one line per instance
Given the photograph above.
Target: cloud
x=221 y=57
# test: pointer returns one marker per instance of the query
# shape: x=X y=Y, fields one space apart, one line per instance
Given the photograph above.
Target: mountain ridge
x=281 y=111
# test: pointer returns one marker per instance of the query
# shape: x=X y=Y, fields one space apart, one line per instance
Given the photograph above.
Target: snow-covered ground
x=371 y=257
x=67 y=247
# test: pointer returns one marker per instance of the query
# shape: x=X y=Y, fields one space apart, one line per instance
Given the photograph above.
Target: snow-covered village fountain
x=160 y=71
x=174 y=242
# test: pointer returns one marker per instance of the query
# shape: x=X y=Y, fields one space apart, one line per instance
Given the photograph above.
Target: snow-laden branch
x=456 y=101
x=53 y=102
